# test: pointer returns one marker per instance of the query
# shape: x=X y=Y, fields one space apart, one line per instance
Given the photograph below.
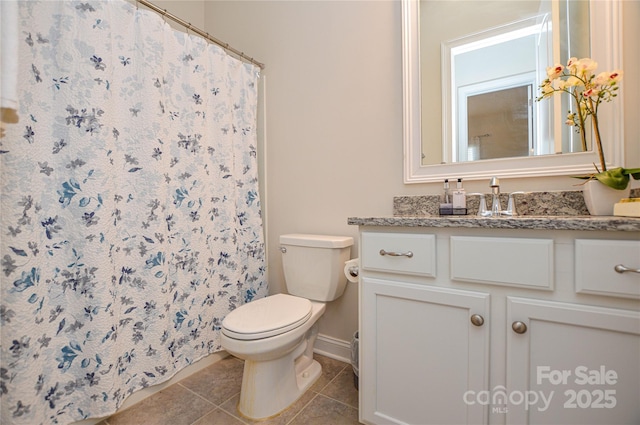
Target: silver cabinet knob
x=477 y=320
x=519 y=327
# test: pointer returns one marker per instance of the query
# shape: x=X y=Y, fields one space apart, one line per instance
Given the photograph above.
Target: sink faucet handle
x=511 y=207
x=482 y=208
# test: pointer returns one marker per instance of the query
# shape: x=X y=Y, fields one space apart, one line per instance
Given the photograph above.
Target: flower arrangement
x=588 y=91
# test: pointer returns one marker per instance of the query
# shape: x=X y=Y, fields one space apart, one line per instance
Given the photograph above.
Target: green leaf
x=634 y=172
x=614 y=178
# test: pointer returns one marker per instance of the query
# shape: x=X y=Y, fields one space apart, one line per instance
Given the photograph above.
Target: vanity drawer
x=399 y=253
x=503 y=261
x=594 y=267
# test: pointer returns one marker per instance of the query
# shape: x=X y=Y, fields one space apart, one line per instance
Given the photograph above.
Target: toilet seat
x=267 y=317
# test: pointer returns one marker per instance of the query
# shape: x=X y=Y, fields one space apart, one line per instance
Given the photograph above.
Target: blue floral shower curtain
x=130 y=212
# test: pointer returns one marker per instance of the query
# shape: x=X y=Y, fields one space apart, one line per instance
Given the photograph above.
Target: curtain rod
x=201 y=33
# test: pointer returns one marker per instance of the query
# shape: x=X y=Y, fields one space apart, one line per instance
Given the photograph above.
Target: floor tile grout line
x=339 y=401
x=319 y=393
x=303 y=407
x=197 y=394
x=234 y=415
x=215 y=406
x=331 y=380
x=219 y=407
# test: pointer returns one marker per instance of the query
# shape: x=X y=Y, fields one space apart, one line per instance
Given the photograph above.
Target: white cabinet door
x=421 y=354
x=571 y=364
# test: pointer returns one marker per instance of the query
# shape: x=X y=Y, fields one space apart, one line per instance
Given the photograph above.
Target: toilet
x=275 y=335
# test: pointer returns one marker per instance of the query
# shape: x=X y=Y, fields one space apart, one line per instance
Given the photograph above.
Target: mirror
x=466 y=117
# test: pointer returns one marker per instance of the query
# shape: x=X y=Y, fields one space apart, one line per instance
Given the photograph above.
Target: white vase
x=600 y=198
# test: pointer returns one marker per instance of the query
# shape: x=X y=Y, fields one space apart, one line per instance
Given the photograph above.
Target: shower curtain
x=130 y=212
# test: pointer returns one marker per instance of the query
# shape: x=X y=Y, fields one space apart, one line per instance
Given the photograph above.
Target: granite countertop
x=562 y=210
x=606 y=223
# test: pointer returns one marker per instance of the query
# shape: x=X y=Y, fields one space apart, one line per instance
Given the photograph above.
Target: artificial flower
x=588 y=92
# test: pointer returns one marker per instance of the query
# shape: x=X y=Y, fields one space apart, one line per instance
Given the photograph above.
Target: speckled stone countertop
x=607 y=223
x=562 y=210
x=529 y=203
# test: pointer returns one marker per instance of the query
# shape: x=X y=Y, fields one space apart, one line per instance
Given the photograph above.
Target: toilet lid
x=267 y=317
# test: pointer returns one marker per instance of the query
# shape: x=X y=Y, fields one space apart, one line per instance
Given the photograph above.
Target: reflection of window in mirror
x=481 y=42
x=481 y=93
x=499 y=124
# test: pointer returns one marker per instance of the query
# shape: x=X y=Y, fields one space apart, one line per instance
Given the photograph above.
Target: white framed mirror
x=432 y=153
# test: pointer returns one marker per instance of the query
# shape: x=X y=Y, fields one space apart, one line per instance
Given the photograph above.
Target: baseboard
x=332 y=347
x=138 y=396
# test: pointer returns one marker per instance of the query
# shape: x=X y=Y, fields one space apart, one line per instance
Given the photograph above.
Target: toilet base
x=258 y=397
x=277 y=370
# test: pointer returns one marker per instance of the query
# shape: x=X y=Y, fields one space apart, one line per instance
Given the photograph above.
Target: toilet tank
x=314 y=265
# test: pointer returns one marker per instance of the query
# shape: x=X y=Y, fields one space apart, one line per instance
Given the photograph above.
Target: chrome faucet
x=496 y=210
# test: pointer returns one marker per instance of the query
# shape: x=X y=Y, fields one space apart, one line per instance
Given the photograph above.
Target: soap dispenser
x=459 y=200
x=446 y=207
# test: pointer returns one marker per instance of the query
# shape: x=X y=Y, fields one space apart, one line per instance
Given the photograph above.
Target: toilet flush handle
x=283 y=249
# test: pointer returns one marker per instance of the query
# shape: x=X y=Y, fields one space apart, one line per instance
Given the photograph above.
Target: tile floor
x=210 y=397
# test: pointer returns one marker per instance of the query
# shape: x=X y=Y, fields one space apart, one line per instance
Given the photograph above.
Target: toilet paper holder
x=354 y=271
x=351 y=270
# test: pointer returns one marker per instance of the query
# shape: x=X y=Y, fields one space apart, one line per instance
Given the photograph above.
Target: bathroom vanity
x=499 y=320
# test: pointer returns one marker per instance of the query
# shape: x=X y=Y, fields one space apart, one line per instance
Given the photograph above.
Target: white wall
x=191 y=11
x=334 y=117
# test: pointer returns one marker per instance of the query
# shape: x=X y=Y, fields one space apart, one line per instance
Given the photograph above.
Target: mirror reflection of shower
x=506 y=113
x=475 y=143
x=497 y=100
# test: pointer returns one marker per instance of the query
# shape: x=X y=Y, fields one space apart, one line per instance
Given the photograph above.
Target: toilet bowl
x=278 y=368
x=275 y=335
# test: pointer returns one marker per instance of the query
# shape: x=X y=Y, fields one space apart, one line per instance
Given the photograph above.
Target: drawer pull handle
x=622 y=269
x=477 y=320
x=408 y=254
x=519 y=327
